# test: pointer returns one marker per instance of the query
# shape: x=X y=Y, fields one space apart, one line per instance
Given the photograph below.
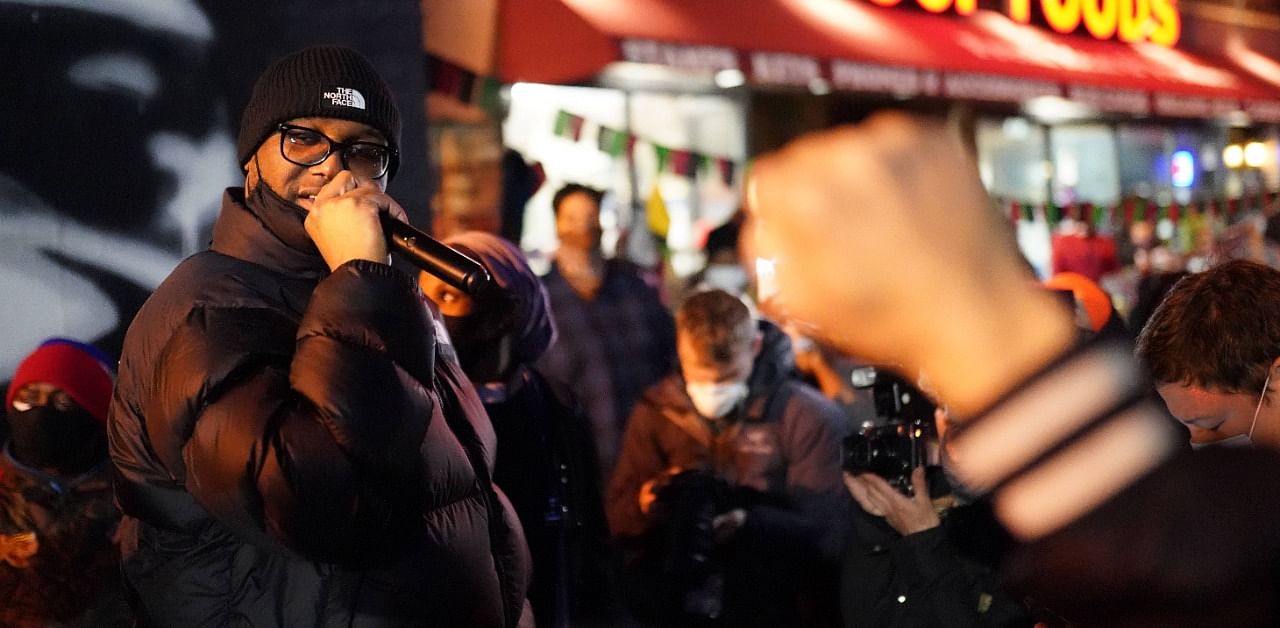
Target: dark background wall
x=117 y=128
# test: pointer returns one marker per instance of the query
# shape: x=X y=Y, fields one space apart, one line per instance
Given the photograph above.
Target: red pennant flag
x=1015 y=211
x=1128 y=212
x=680 y=162
x=726 y=170
x=1173 y=212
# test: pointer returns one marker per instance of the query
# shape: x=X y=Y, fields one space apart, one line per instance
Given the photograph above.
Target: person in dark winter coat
x=58 y=556
x=546 y=459
x=291 y=446
x=617 y=337
x=922 y=561
x=732 y=446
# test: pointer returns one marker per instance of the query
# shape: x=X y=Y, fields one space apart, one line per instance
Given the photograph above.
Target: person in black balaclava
x=58 y=560
x=546 y=461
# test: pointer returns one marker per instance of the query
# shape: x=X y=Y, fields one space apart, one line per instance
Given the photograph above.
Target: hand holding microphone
x=353 y=218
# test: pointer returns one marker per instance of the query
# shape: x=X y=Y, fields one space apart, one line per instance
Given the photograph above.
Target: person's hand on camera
x=343 y=221
x=907 y=515
x=886 y=245
x=649 y=490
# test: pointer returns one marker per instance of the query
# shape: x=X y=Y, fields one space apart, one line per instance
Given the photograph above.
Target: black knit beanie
x=323 y=82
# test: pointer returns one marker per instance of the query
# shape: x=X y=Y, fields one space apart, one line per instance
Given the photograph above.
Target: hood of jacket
x=520 y=288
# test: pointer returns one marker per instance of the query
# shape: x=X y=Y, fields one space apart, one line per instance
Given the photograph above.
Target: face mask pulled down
x=1241 y=440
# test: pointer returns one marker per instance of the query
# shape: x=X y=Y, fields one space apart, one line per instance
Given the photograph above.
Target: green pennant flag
x=664 y=156
x=1051 y=213
x=1140 y=211
x=1099 y=214
x=487 y=94
x=612 y=142
x=563 y=118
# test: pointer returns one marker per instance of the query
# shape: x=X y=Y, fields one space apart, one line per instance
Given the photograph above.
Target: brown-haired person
x=59 y=563
x=1212 y=347
x=291 y=447
x=733 y=459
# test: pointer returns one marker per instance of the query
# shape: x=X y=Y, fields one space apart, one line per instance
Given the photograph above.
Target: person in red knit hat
x=58 y=557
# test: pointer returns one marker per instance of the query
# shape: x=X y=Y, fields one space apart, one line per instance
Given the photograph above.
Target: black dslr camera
x=693 y=576
x=903 y=436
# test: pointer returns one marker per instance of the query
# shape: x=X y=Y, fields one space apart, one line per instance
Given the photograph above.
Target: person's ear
x=252 y=174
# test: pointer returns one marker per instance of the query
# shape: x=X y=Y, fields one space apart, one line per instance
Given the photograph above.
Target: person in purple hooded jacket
x=546 y=459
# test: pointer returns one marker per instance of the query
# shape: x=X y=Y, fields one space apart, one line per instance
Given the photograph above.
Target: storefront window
x=1085 y=169
x=1013 y=159
x=1142 y=150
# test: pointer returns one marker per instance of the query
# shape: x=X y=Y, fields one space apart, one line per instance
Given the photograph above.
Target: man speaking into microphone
x=290 y=446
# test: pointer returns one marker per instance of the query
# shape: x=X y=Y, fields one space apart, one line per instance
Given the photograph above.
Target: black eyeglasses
x=308 y=147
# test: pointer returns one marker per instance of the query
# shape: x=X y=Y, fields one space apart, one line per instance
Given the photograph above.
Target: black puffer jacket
x=292 y=450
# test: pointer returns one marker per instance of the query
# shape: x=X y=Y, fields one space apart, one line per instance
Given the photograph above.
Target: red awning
x=854 y=45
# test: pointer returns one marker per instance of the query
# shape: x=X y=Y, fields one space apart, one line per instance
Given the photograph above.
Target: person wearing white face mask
x=733 y=416
x=1212 y=348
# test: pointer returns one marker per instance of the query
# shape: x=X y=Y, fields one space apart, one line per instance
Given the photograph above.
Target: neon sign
x=1156 y=21
x=1182 y=169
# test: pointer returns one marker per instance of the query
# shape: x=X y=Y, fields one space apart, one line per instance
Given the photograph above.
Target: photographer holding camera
x=926 y=558
x=726 y=495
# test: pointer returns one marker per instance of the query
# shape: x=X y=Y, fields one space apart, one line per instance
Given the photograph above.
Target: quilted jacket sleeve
x=308 y=437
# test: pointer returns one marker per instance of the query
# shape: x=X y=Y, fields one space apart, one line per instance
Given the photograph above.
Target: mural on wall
x=118 y=122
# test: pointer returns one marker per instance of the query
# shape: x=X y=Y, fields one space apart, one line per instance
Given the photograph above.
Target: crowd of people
x=300 y=433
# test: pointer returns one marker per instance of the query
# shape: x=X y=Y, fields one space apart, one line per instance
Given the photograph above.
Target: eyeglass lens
x=307 y=147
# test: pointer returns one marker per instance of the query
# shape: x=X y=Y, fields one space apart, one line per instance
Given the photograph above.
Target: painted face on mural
x=118 y=147
x=116 y=108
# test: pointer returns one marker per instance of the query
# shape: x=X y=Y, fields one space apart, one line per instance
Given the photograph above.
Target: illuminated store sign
x=1182 y=169
x=1156 y=21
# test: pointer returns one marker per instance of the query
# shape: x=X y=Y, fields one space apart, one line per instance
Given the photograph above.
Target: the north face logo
x=342 y=97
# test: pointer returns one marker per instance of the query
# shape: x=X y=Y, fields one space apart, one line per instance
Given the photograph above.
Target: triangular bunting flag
x=611 y=141
x=655 y=213
x=726 y=170
x=664 y=156
x=575 y=127
x=562 y=123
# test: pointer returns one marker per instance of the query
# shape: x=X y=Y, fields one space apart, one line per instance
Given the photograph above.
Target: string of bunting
x=451 y=79
x=616 y=143
x=1137 y=210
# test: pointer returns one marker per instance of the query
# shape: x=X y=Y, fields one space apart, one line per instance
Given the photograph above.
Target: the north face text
x=344 y=97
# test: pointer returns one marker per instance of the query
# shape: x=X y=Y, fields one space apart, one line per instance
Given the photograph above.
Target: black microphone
x=435 y=257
